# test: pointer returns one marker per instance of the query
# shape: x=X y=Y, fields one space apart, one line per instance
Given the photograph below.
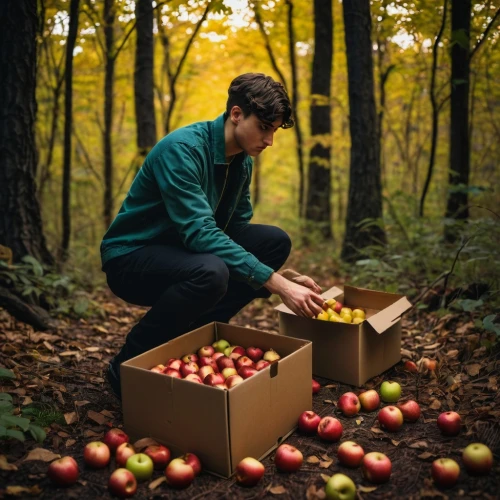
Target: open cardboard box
x=220 y=426
x=349 y=353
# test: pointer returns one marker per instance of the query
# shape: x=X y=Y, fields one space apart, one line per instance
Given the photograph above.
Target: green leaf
x=6 y=407
x=14 y=421
x=15 y=434
x=490 y=326
x=5 y=397
x=368 y=262
x=469 y=305
x=35 y=265
x=37 y=432
x=5 y=373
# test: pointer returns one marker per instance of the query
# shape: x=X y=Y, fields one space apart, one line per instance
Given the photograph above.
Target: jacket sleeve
x=243 y=212
x=179 y=172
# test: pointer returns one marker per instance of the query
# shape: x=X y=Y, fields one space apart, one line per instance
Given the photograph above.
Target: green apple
x=141 y=466
x=477 y=459
x=340 y=487
x=390 y=391
x=221 y=345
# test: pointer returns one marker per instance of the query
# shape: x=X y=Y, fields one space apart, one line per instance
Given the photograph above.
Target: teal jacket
x=186 y=193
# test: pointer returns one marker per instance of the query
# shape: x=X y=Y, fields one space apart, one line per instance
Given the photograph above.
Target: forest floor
x=65 y=368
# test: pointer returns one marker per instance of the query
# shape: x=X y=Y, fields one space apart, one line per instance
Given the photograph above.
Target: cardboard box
x=349 y=353
x=220 y=426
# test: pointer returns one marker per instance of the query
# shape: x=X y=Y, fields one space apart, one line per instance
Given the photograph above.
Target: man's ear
x=236 y=114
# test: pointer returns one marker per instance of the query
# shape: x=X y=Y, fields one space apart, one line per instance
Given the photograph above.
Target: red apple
x=213 y=379
x=192 y=460
x=190 y=358
x=249 y=472
x=205 y=351
x=217 y=355
x=158 y=368
x=175 y=364
x=337 y=307
x=205 y=370
x=235 y=355
x=122 y=483
x=206 y=361
x=308 y=422
x=410 y=410
x=288 y=458
x=123 y=452
x=96 y=454
x=225 y=362
x=228 y=372
x=271 y=355
x=188 y=368
x=411 y=367
x=247 y=371
x=330 y=429
x=477 y=459
x=377 y=467
x=63 y=471
x=445 y=472
x=390 y=418
x=350 y=454
x=159 y=454
x=255 y=354
x=237 y=349
x=369 y=400
x=114 y=438
x=260 y=365
x=172 y=373
x=449 y=423
x=179 y=473
x=243 y=361
x=349 y=404
x=233 y=380
x=315 y=386
x=429 y=364
x=193 y=377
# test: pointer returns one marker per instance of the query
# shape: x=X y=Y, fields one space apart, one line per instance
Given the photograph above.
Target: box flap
x=332 y=293
x=388 y=316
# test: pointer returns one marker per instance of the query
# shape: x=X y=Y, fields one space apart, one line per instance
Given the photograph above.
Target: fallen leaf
x=90 y=434
x=432 y=346
x=69 y=353
x=325 y=457
x=394 y=442
x=81 y=403
x=277 y=490
x=435 y=405
x=107 y=413
x=96 y=417
x=16 y=491
x=312 y=460
x=313 y=493
x=329 y=401
x=70 y=443
x=27 y=401
x=71 y=417
x=367 y=489
x=41 y=454
x=406 y=354
x=376 y=430
x=154 y=484
x=142 y=443
x=325 y=477
x=92 y=349
x=330 y=386
x=324 y=464
x=425 y=455
x=100 y=329
x=418 y=444
x=452 y=354
x=473 y=369
x=4 y=465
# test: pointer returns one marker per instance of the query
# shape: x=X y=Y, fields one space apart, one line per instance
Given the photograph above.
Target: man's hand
x=301 y=279
x=302 y=299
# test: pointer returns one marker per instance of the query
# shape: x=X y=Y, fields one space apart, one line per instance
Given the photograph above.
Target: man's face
x=254 y=135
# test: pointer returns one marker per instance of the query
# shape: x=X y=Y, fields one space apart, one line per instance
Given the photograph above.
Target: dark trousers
x=187 y=290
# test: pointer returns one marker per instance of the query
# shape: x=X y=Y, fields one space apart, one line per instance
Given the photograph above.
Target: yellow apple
x=331 y=302
x=357 y=321
x=334 y=318
x=358 y=313
x=346 y=310
x=323 y=315
x=347 y=318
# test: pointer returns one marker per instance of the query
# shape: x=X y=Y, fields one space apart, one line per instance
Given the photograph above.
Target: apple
x=237 y=349
x=477 y=459
x=243 y=361
x=369 y=400
x=350 y=454
x=204 y=371
x=357 y=321
x=390 y=391
x=225 y=362
x=175 y=364
x=429 y=364
x=63 y=471
x=206 y=361
x=158 y=368
x=228 y=372
x=323 y=316
x=179 y=473
x=358 y=313
x=206 y=351
x=255 y=354
x=315 y=387
x=172 y=373
x=261 y=364
x=271 y=355
x=233 y=380
x=193 y=377
x=376 y=467
x=214 y=379
x=337 y=307
x=217 y=355
x=330 y=429
x=220 y=345
x=349 y=404
x=340 y=487
x=390 y=418
x=192 y=460
x=140 y=465
x=234 y=355
x=288 y=458
x=188 y=368
x=445 y=472
x=123 y=452
x=122 y=483
x=247 y=371
x=449 y=423
x=190 y=358
x=308 y=422
x=249 y=472
x=159 y=454
x=411 y=367
x=114 y=438
x=96 y=454
x=410 y=410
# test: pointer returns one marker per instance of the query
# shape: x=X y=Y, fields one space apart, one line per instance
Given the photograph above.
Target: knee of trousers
x=215 y=276
x=281 y=243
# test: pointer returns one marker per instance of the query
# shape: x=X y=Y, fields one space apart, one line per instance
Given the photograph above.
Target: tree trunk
x=68 y=124
x=20 y=219
x=317 y=208
x=459 y=120
x=365 y=196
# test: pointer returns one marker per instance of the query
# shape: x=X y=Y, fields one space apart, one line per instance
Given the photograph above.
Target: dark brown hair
x=259 y=94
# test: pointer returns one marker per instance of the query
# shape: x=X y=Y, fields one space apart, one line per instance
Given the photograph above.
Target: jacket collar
x=219 y=142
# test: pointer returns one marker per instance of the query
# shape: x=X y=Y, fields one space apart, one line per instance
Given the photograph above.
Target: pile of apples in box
x=335 y=311
x=220 y=365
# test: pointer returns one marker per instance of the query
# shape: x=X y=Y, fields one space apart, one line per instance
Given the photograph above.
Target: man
x=182 y=241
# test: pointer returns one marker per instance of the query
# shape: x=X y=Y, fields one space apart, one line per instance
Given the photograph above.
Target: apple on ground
x=376 y=467
x=247 y=371
x=221 y=345
x=477 y=459
x=122 y=454
x=308 y=422
x=190 y=358
x=63 y=471
x=96 y=454
x=340 y=487
x=159 y=454
x=261 y=364
x=369 y=400
x=179 y=474
x=206 y=351
x=315 y=386
x=255 y=354
x=410 y=410
x=193 y=377
x=350 y=454
x=192 y=460
x=114 y=438
x=122 y=483
x=233 y=380
x=330 y=429
x=449 y=423
x=288 y=458
x=390 y=418
x=271 y=355
x=410 y=366
x=445 y=472
x=349 y=404
x=390 y=391
x=214 y=379
x=141 y=466
x=249 y=472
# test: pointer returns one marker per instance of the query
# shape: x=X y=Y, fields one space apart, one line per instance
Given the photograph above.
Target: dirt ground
x=64 y=369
